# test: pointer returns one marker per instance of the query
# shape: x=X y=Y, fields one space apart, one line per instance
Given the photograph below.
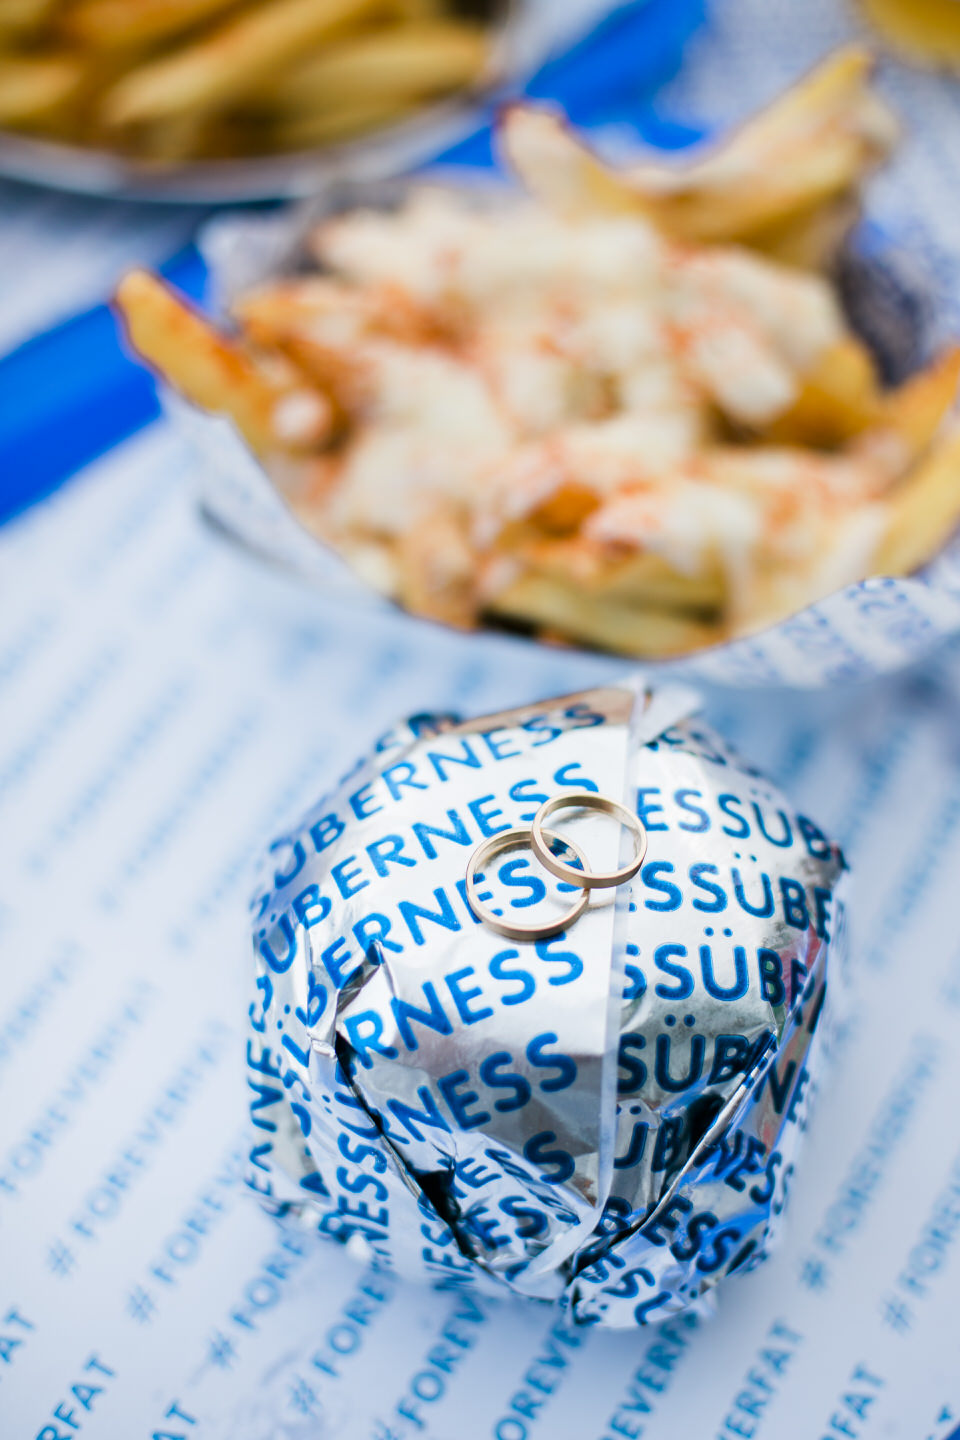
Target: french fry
x=400 y=61
x=284 y=317
x=917 y=409
x=174 y=80
x=326 y=127
x=841 y=399
x=218 y=374
x=289 y=316
x=419 y=9
x=230 y=62
x=119 y=25
x=560 y=170
x=566 y=175
x=436 y=570
x=812 y=144
x=275 y=313
x=925 y=31
x=837 y=400
x=560 y=514
x=810 y=147
x=20 y=17
x=781 y=586
x=812 y=176
x=562 y=610
x=172 y=141
x=35 y=88
x=809 y=239
x=643 y=579
x=922 y=511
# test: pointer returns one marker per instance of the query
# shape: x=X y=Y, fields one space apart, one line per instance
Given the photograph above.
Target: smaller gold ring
x=501 y=844
x=591 y=879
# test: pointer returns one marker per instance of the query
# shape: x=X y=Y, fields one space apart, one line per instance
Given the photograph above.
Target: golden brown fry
x=419 y=9
x=557 y=167
x=917 y=409
x=809 y=239
x=284 y=308
x=370 y=81
x=35 y=88
x=813 y=176
x=173 y=141
x=837 y=400
x=231 y=62
x=128 y=24
x=284 y=317
x=814 y=142
x=326 y=127
x=342 y=379
x=560 y=513
x=646 y=580
x=20 y=17
x=804 y=151
x=283 y=305
x=925 y=31
x=841 y=399
x=563 y=610
x=922 y=512
x=288 y=303
x=560 y=170
x=223 y=89
x=288 y=316
x=399 y=61
x=216 y=373
x=436 y=570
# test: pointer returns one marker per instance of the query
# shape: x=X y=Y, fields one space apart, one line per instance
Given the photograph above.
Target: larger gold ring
x=518 y=840
x=590 y=879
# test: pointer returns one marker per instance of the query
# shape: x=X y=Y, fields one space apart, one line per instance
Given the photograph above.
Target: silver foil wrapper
x=607 y=1118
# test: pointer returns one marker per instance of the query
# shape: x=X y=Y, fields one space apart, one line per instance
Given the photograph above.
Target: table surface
x=168 y=705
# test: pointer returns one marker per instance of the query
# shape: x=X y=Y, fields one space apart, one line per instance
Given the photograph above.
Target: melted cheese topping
x=586 y=360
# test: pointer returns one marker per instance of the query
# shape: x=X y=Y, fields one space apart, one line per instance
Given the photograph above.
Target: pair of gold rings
x=539 y=839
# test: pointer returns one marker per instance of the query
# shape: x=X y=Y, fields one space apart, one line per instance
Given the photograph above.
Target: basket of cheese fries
x=624 y=407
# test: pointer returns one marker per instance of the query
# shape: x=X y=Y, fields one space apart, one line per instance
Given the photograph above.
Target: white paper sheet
x=165 y=705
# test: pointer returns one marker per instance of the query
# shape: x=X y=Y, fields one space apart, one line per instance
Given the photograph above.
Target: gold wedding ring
x=589 y=879
x=501 y=844
x=538 y=839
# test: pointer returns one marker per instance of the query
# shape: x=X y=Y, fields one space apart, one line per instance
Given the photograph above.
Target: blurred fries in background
x=173 y=80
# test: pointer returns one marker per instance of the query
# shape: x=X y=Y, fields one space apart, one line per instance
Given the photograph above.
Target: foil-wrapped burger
x=605 y=1117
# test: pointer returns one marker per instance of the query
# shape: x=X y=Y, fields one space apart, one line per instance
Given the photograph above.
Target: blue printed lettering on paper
x=439 y=1096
